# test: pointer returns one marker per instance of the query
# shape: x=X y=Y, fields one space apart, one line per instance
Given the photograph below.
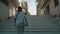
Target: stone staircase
x=36 y=25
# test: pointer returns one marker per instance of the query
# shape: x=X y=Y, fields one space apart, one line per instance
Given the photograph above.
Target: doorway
x=47 y=10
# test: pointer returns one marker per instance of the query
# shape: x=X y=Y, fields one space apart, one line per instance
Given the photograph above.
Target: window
x=56 y=2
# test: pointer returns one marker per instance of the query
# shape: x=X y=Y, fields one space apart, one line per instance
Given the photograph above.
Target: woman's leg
x=22 y=30
x=18 y=29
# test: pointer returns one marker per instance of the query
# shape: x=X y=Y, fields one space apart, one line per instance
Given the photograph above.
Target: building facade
x=7 y=8
x=13 y=4
x=48 y=7
x=24 y=6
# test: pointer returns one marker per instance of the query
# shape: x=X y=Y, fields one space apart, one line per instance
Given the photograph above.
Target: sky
x=31 y=6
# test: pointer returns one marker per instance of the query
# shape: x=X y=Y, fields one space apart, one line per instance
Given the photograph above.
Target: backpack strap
x=16 y=16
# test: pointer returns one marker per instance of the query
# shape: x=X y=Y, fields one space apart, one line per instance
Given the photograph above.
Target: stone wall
x=53 y=10
x=4 y=10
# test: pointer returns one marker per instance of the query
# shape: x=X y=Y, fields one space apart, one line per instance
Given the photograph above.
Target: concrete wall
x=4 y=10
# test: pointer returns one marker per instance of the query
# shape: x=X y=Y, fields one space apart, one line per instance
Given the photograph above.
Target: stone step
x=28 y=29
x=31 y=32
